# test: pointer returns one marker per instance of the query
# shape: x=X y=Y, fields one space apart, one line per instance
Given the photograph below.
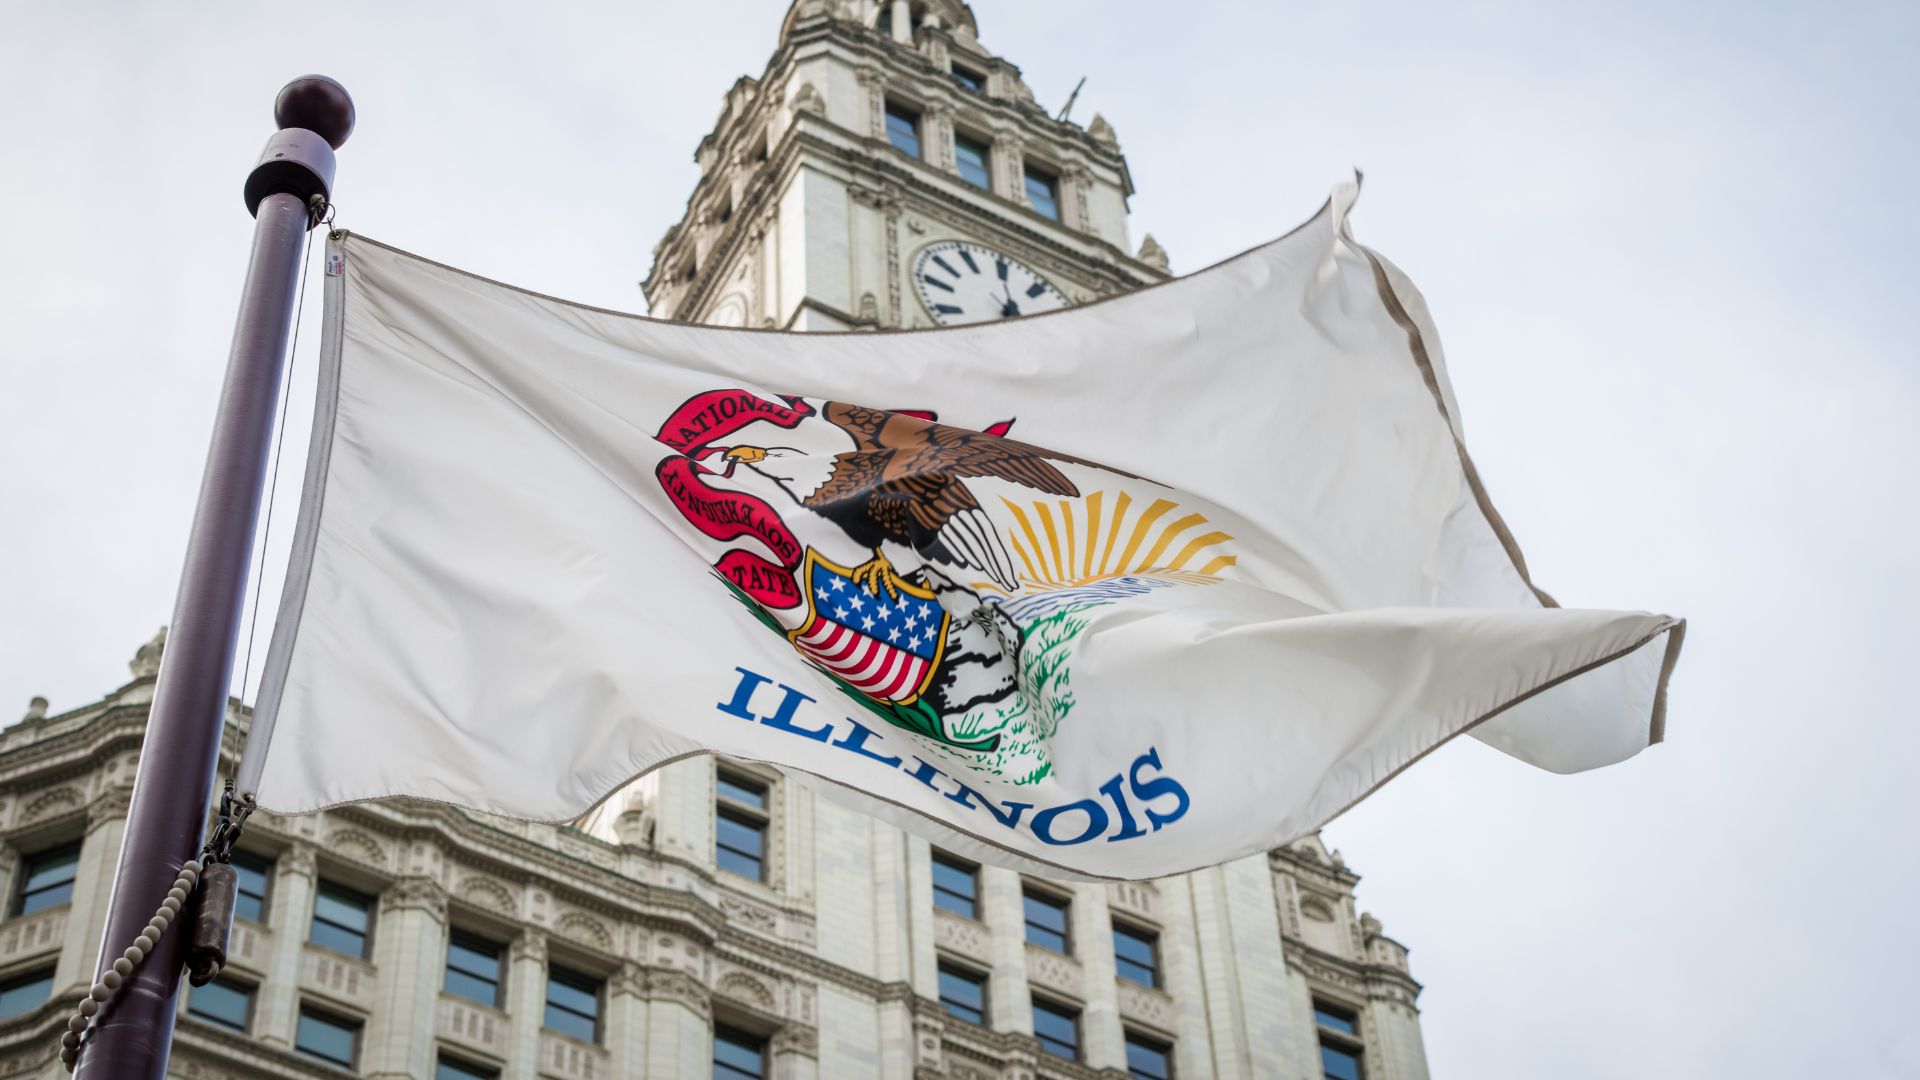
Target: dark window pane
x=47 y=880
x=1134 y=955
x=573 y=1004
x=964 y=994
x=971 y=80
x=464 y=985
x=251 y=870
x=328 y=936
x=340 y=919
x=1148 y=1059
x=1044 y=193
x=221 y=1003
x=1339 y=1064
x=342 y=907
x=474 y=956
x=903 y=130
x=746 y=837
x=738 y=1055
x=460 y=1070
x=25 y=994
x=1337 y=1019
x=1058 y=1030
x=971 y=156
x=739 y=843
x=744 y=792
x=326 y=1038
x=955 y=886
x=1046 y=922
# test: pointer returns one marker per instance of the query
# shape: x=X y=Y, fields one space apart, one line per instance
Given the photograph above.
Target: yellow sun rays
x=1075 y=541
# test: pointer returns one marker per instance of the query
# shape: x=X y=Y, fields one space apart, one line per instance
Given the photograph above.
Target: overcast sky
x=1668 y=247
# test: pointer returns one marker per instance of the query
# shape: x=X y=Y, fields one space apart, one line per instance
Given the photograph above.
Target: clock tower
x=887 y=171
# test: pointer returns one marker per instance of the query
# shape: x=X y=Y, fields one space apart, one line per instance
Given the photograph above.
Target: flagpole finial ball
x=318 y=104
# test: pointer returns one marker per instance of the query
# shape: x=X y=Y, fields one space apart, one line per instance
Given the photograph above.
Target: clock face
x=962 y=282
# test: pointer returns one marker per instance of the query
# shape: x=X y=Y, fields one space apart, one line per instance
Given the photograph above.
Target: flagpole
x=133 y=1033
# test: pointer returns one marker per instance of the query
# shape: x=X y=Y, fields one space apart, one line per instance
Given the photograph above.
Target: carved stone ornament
x=488 y=893
x=745 y=988
x=417 y=894
x=586 y=930
x=1154 y=255
x=36 y=709
x=801 y=1039
x=530 y=945
x=146 y=660
x=1102 y=132
x=681 y=989
x=808 y=99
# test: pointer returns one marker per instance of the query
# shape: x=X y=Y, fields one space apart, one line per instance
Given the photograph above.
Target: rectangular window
x=964 y=993
x=956 y=885
x=1148 y=1058
x=740 y=826
x=451 y=1069
x=252 y=870
x=1046 y=921
x=1043 y=192
x=1058 y=1028
x=327 y=1037
x=473 y=968
x=25 y=994
x=972 y=80
x=971 y=156
x=341 y=919
x=903 y=129
x=1334 y=1018
x=220 y=1002
x=1340 y=1047
x=1136 y=954
x=47 y=879
x=573 y=1004
x=738 y=1055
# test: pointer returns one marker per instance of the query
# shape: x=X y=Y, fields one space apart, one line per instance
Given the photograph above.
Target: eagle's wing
x=854 y=473
x=959 y=452
x=963 y=534
x=862 y=423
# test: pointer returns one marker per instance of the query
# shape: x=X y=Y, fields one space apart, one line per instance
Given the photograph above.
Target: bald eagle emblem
x=861 y=535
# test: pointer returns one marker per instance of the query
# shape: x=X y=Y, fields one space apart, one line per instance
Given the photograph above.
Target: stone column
x=937 y=136
x=875 y=86
x=902 y=22
x=1104 y=1045
x=289 y=906
x=795 y=1050
x=92 y=886
x=1010 y=167
x=1009 y=1004
x=526 y=1002
x=1075 y=195
x=684 y=826
x=626 y=1023
x=679 y=1027
x=410 y=951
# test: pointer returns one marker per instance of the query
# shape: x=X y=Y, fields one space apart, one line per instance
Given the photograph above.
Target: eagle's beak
x=746 y=454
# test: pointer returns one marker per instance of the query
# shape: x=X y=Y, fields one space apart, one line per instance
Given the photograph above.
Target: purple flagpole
x=133 y=1033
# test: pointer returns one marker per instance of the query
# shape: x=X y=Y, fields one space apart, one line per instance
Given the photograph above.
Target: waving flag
x=1121 y=590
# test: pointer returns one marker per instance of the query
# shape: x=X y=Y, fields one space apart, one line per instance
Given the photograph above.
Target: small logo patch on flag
x=336 y=264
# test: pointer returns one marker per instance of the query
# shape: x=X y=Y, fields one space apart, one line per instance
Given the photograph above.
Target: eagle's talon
x=877 y=574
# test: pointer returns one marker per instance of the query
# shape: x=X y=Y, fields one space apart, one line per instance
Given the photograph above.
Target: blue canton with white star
x=906 y=622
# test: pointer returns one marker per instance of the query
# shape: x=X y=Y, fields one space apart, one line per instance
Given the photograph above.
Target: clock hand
x=1009 y=309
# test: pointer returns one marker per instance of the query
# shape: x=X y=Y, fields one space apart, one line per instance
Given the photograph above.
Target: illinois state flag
x=1119 y=591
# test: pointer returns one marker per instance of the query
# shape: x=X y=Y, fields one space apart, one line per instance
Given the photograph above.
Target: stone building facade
x=714 y=918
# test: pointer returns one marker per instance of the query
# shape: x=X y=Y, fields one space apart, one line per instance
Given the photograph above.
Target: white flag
x=1121 y=590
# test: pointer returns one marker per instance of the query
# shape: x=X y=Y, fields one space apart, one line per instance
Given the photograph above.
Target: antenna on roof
x=1071 y=98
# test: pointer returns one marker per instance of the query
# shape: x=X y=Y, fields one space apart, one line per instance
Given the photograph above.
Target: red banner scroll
x=723 y=513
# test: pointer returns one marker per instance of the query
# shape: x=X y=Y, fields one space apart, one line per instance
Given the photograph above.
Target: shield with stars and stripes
x=886 y=647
